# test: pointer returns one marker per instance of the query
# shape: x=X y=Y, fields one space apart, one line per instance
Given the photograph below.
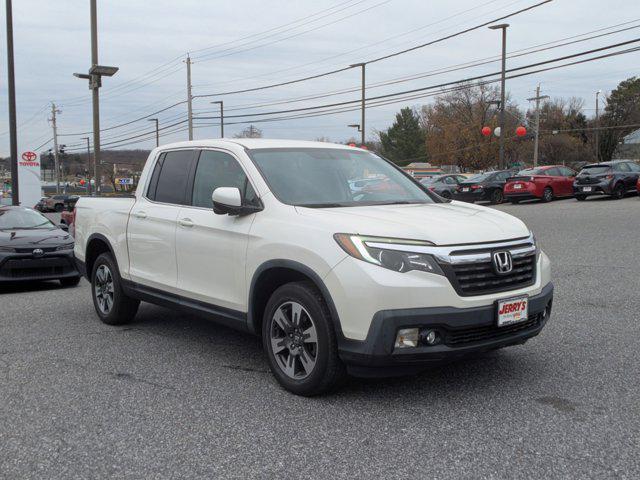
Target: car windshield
x=23 y=218
x=595 y=169
x=324 y=177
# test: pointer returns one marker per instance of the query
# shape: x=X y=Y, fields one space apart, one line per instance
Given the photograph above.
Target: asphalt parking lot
x=174 y=396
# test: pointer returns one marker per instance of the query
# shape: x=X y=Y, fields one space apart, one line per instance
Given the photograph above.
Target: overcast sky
x=249 y=43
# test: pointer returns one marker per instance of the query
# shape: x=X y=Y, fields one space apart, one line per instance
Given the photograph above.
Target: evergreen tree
x=403 y=142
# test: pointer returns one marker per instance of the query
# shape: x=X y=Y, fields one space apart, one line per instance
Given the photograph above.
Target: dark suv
x=615 y=178
x=485 y=186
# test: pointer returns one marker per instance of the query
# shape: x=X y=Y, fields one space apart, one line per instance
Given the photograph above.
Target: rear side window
x=567 y=172
x=554 y=172
x=218 y=169
x=173 y=177
x=621 y=167
x=634 y=167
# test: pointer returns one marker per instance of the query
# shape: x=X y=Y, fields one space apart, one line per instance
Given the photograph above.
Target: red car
x=544 y=183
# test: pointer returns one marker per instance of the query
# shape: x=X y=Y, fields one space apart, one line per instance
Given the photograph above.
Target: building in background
x=630 y=147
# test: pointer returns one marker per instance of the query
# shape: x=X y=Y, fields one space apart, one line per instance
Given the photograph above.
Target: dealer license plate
x=586 y=189
x=512 y=310
x=517 y=186
x=465 y=189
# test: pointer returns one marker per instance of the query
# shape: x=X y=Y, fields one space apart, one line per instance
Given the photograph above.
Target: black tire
x=547 y=195
x=497 y=197
x=446 y=195
x=69 y=281
x=618 y=192
x=328 y=370
x=122 y=308
x=58 y=207
x=581 y=198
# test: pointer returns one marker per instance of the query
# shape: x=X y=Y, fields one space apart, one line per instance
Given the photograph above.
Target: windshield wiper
x=322 y=205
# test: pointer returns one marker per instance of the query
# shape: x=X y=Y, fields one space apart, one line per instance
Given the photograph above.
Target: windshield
x=595 y=169
x=20 y=218
x=324 y=177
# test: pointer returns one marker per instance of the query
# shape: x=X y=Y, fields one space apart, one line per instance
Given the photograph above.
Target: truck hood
x=451 y=223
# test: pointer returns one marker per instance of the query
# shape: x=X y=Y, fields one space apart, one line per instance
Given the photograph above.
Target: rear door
x=568 y=176
x=210 y=248
x=555 y=181
x=151 y=230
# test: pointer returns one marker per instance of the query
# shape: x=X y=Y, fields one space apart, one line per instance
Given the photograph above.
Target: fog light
x=407 y=337
x=430 y=337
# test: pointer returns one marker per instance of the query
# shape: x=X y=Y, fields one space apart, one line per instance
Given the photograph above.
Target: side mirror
x=63 y=226
x=228 y=201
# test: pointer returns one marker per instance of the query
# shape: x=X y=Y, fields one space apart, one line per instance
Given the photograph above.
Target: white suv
x=272 y=237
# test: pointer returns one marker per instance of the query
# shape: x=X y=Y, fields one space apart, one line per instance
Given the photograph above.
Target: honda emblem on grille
x=38 y=252
x=502 y=262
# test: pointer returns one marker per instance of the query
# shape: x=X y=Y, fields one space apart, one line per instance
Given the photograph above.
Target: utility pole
x=189 y=97
x=157 y=130
x=96 y=72
x=503 y=27
x=362 y=107
x=13 y=132
x=56 y=158
x=221 y=103
x=537 y=98
x=598 y=126
x=89 y=161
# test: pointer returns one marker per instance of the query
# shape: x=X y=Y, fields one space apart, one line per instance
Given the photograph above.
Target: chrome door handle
x=140 y=214
x=186 y=222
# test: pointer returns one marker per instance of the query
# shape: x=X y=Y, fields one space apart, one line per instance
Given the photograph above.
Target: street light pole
x=89 y=159
x=189 y=98
x=503 y=27
x=221 y=103
x=56 y=157
x=598 y=126
x=13 y=132
x=157 y=130
x=362 y=88
x=96 y=72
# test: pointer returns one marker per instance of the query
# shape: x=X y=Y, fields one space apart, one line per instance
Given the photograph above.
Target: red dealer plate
x=512 y=310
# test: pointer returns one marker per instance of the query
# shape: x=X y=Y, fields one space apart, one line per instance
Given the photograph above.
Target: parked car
x=41 y=205
x=615 y=178
x=68 y=218
x=58 y=203
x=443 y=185
x=483 y=187
x=34 y=248
x=267 y=236
x=544 y=183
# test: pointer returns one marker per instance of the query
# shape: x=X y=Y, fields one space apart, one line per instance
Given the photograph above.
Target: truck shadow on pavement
x=27 y=287
x=242 y=354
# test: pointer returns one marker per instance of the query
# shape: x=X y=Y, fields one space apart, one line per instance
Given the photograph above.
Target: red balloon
x=521 y=131
x=82 y=182
x=486 y=131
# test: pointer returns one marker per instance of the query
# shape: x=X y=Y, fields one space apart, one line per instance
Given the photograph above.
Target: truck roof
x=254 y=143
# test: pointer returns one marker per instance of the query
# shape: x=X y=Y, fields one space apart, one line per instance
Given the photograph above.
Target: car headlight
x=67 y=246
x=399 y=260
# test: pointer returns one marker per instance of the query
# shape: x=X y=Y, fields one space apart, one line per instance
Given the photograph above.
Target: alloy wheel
x=103 y=289
x=294 y=340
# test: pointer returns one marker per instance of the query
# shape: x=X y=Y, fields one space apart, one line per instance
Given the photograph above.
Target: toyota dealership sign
x=29 y=179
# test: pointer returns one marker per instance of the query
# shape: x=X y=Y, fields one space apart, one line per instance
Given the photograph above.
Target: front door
x=210 y=248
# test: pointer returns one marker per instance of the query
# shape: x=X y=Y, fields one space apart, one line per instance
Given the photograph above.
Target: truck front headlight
x=392 y=259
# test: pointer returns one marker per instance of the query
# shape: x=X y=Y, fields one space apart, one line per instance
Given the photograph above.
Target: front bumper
x=20 y=267
x=464 y=331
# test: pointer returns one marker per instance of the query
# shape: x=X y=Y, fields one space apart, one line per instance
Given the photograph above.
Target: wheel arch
x=271 y=275
x=97 y=244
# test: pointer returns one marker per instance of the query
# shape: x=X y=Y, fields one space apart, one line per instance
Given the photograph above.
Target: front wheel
x=111 y=304
x=497 y=197
x=300 y=342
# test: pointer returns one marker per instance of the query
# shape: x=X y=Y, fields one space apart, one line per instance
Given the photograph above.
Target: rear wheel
x=581 y=198
x=547 y=195
x=618 y=192
x=446 y=195
x=58 y=207
x=300 y=342
x=497 y=197
x=111 y=304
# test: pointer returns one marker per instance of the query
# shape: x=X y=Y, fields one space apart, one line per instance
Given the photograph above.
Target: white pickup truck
x=272 y=237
